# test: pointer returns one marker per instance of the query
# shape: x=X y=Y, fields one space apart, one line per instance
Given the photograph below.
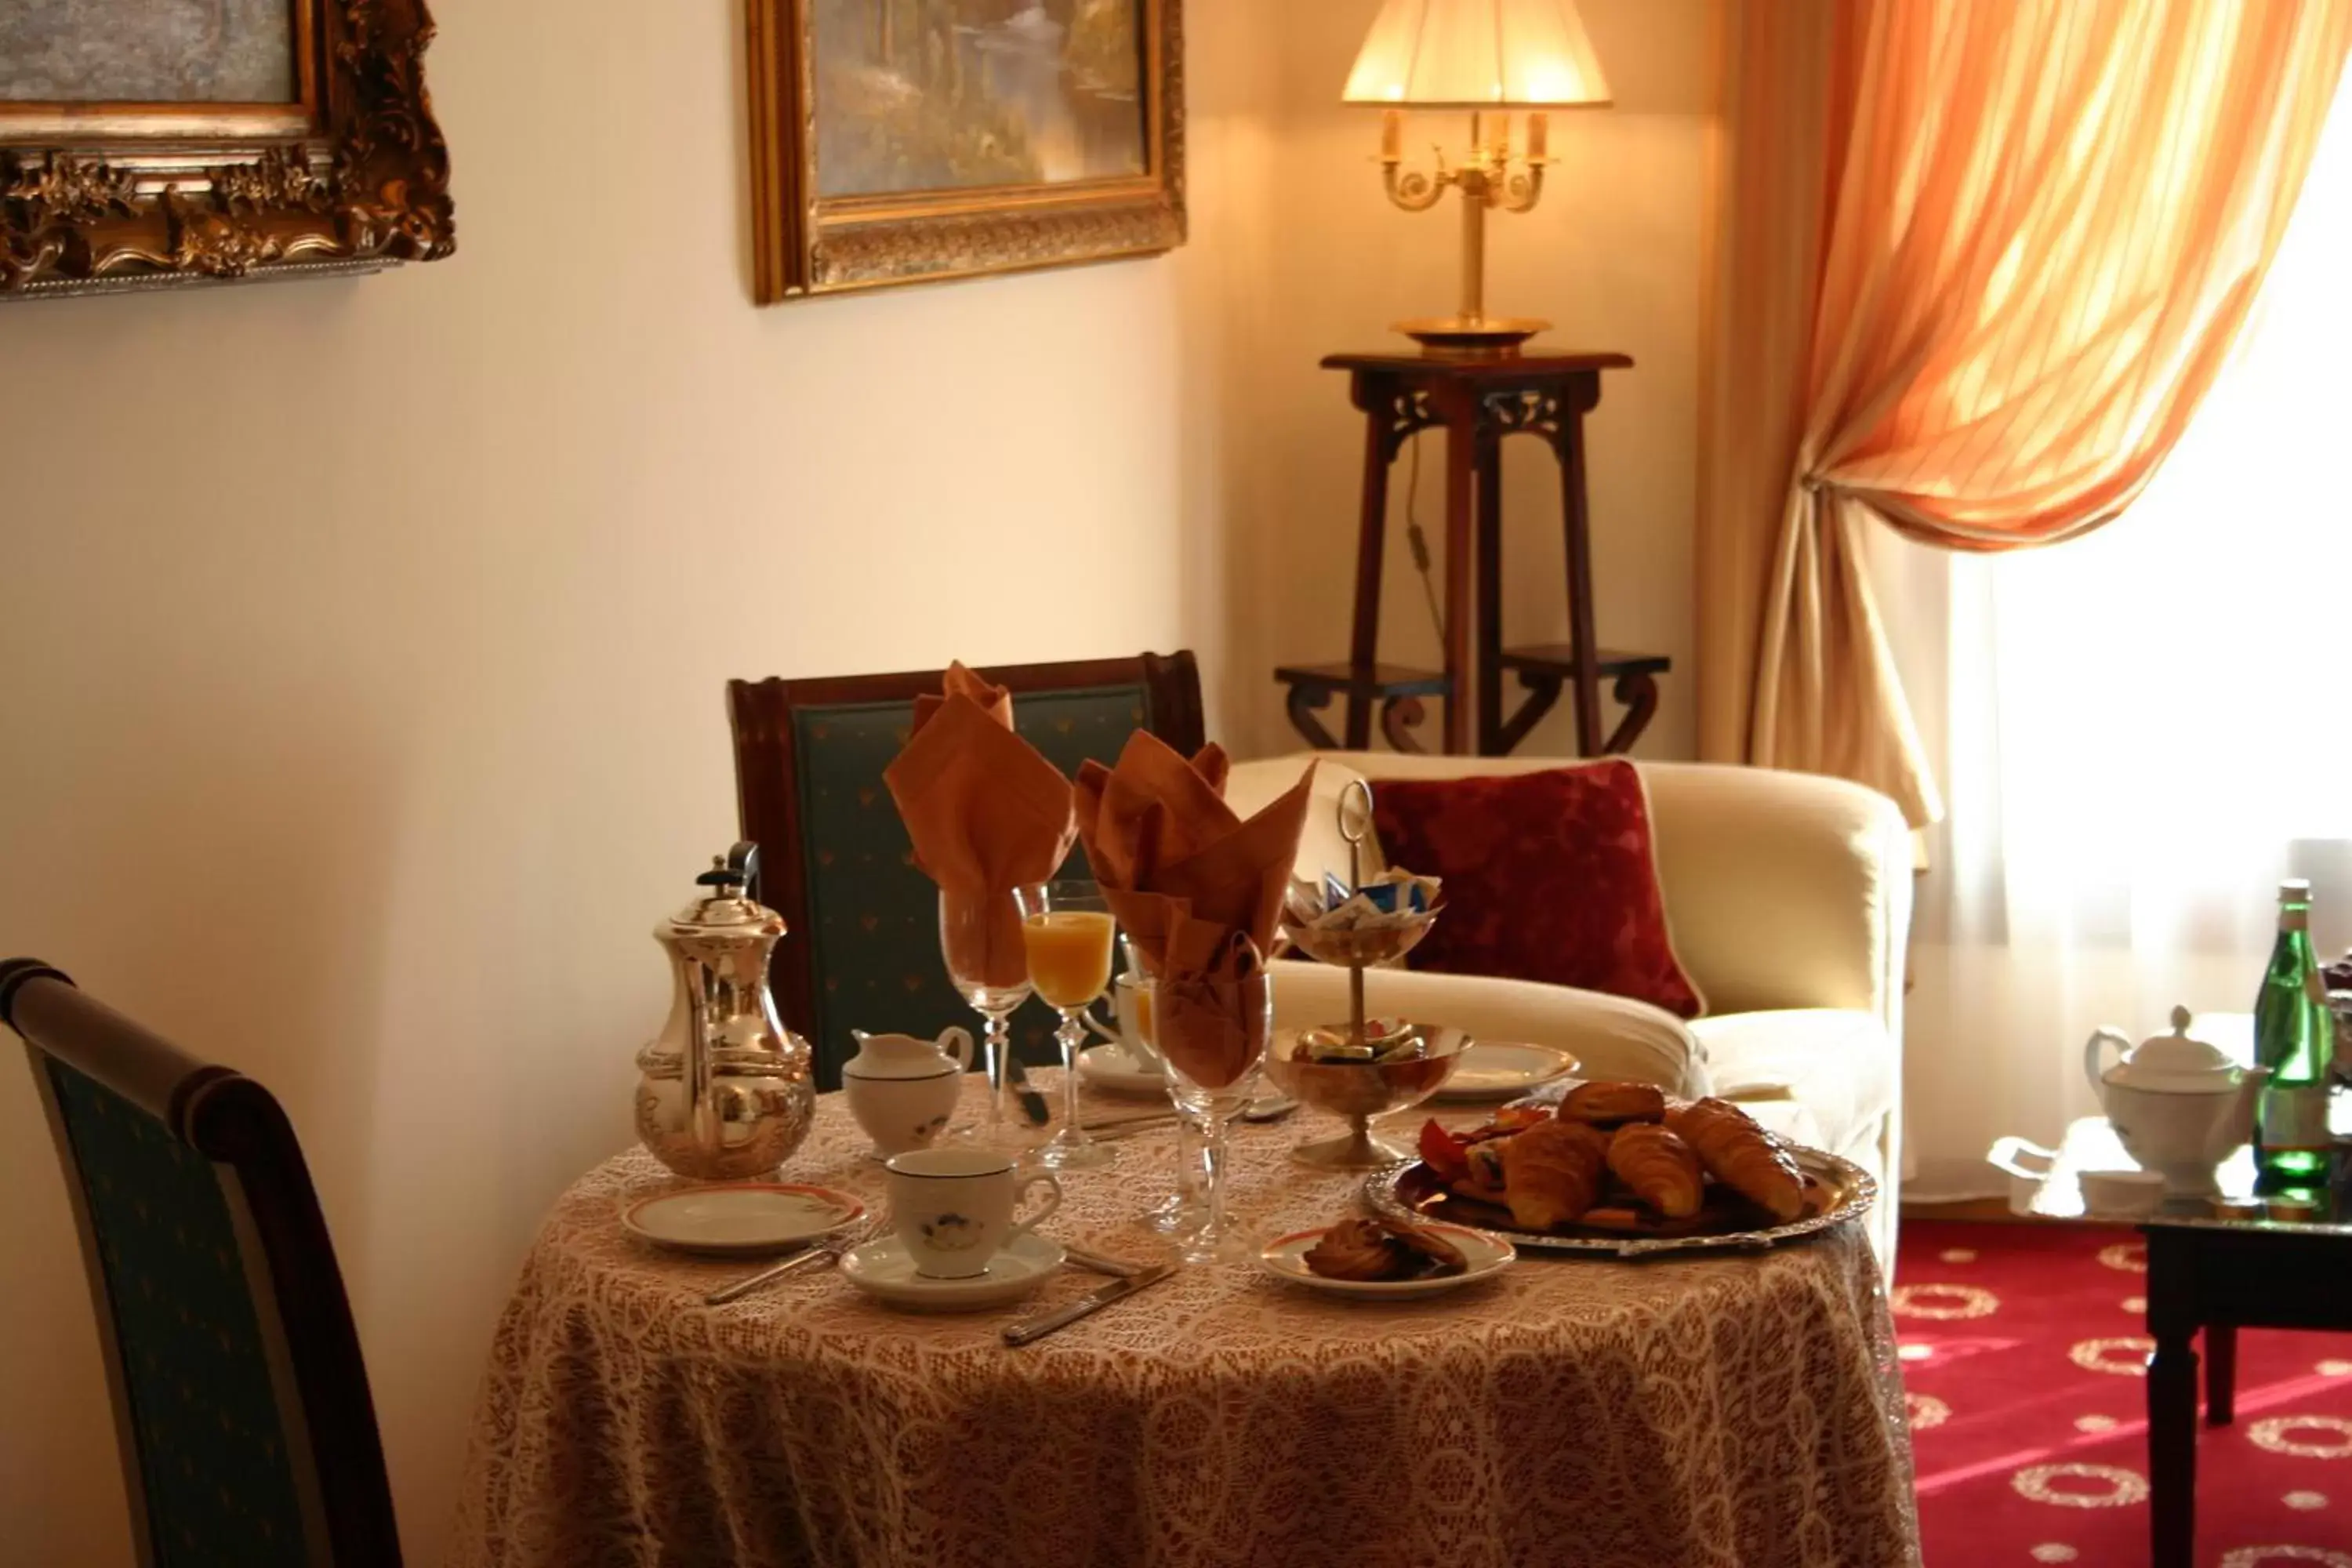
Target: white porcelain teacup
x=952 y=1209
x=1131 y=995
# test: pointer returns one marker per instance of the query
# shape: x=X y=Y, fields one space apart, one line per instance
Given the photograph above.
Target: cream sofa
x=1789 y=899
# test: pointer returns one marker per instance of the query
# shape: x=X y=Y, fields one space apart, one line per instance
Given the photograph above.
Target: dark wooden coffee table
x=2212 y=1274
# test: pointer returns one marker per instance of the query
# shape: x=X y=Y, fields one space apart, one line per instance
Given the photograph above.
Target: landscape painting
x=899 y=142
x=147 y=51
x=949 y=95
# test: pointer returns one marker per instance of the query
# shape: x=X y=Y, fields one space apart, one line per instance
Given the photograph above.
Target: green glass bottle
x=2294 y=1036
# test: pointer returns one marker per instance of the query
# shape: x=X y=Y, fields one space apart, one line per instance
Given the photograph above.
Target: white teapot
x=2180 y=1106
x=902 y=1090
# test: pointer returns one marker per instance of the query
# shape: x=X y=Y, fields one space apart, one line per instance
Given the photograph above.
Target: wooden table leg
x=1301 y=705
x=1581 y=634
x=2220 y=1374
x=1372 y=545
x=1490 y=592
x=2171 y=1403
x=1461 y=476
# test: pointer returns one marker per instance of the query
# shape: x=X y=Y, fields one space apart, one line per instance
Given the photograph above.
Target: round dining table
x=1720 y=1409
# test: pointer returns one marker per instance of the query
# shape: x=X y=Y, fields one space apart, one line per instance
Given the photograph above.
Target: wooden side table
x=1479 y=403
x=2221 y=1278
x=2214 y=1275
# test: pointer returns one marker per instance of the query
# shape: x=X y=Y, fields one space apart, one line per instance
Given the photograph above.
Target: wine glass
x=1213 y=1034
x=980 y=937
x=1067 y=928
x=1180 y=1209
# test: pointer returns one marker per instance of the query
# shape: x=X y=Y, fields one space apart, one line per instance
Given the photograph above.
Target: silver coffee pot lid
x=728 y=900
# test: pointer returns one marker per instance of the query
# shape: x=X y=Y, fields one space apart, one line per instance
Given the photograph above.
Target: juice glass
x=1067 y=928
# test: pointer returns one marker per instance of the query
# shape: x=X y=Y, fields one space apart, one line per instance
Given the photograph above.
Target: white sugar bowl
x=903 y=1090
x=2179 y=1106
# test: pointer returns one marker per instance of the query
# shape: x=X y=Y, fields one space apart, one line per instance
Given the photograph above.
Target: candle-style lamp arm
x=1412 y=189
x=1521 y=192
x=1489 y=176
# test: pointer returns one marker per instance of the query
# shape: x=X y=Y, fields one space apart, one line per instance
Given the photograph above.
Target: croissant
x=1742 y=1156
x=1551 y=1172
x=1612 y=1104
x=1663 y=1170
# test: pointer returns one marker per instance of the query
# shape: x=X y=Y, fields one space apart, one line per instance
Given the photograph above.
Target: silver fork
x=822 y=1252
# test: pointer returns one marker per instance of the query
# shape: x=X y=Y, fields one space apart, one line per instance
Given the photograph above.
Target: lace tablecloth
x=1732 y=1410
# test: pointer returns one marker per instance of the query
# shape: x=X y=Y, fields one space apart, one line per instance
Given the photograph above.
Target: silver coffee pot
x=725 y=1092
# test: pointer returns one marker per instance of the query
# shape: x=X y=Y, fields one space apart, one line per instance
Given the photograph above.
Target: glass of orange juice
x=1066 y=930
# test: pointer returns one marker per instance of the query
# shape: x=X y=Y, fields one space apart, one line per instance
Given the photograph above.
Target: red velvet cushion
x=1549 y=876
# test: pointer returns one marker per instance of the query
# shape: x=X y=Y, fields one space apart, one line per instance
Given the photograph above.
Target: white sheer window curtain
x=2141 y=732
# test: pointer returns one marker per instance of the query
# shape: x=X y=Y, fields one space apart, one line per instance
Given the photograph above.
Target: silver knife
x=1029 y=1330
x=1032 y=1104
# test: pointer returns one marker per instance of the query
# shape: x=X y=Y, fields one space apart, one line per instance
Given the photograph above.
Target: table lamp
x=1488 y=57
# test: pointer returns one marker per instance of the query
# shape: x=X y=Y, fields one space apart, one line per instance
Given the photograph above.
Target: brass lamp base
x=1473 y=335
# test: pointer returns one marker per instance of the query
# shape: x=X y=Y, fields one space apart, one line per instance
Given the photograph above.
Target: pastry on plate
x=1551 y=1172
x=1742 y=1156
x=1658 y=1168
x=1383 y=1249
x=1613 y=1104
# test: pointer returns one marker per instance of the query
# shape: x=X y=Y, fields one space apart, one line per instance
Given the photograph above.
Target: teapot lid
x=726 y=903
x=2175 y=1061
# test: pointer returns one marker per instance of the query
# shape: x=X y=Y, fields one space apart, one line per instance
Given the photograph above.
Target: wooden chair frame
x=768 y=786
x=311 y=1345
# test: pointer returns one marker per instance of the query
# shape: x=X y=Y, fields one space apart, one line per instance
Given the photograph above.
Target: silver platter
x=1849 y=1188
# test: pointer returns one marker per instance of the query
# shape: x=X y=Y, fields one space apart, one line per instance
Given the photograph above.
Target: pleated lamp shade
x=1477 y=54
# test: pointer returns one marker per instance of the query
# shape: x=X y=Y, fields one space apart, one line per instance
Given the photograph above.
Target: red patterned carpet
x=2023 y=1361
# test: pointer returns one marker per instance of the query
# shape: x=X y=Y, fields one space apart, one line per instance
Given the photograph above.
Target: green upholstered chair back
x=863 y=950
x=246 y=1432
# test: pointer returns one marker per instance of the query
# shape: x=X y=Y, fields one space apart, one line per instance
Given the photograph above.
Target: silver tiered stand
x=1361 y=1090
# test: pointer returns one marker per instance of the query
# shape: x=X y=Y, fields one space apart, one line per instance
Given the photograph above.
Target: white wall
x=362 y=643
x=1611 y=258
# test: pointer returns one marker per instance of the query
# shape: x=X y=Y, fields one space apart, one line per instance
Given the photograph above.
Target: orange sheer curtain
x=1975 y=266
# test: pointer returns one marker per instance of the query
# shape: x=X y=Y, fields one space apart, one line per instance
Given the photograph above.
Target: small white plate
x=739 y=1218
x=1490 y=1070
x=1115 y=1068
x=1489 y=1256
x=883 y=1271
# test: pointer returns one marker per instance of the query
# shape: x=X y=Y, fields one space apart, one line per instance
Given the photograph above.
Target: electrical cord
x=1417 y=541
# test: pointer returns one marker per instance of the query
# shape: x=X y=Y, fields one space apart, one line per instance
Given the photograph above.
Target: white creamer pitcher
x=903 y=1089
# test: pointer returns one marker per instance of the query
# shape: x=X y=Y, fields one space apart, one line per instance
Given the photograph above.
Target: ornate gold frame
x=806 y=245
x=123 y=195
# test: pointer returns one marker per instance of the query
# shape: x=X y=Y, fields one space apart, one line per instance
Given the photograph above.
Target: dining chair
x=241 y=1404
x=863 y=949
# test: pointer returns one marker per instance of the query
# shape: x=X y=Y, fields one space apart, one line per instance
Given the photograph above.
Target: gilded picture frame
x=899 y=141
x=331 y=163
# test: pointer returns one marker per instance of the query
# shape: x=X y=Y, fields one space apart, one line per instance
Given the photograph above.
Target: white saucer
x=883 y=1271
x=1489 y=1256
x=740 y=1217
x=1489 y=1070
x=1116 y=1069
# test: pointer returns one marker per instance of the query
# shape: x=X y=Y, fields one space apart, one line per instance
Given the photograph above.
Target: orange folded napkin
x=986 y=814
x=1198 y=889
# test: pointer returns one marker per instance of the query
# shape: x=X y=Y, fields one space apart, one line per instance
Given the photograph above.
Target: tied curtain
x=1976 y=265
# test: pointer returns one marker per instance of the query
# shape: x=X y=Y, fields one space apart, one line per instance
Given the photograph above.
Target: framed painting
x=910 y=140
x=146 y=143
